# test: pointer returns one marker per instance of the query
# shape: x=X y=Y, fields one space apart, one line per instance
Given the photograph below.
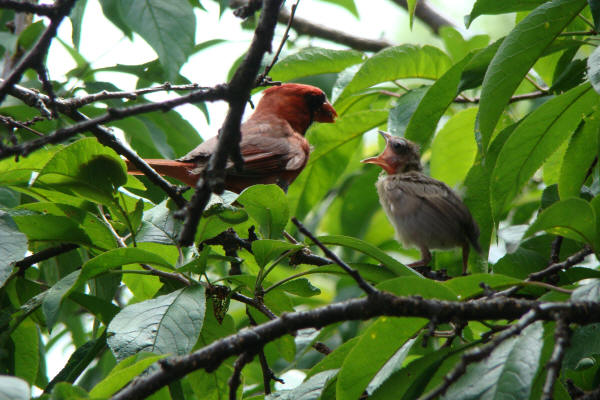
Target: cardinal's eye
x=315 y=100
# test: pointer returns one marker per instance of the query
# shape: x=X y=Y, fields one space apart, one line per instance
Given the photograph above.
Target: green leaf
x=300 y=287
x=588 y=292
x=168 y=26
x=457 y=47
x=534 y=140
x=309 y=390
x=159 y=226
x=595 y=10
x=573 y=218
x=14 y=388
x=378 y=343
x=593 y=63
x=117 y=258
x=391 y=366
x=417 y=286
x=347 y=4
x=102 y=309
x=474 y=71
x=176 y=134
x=585 y=342
x=521 y=263
x=314 y=61
x=515 y=57
x=469 y=286
x=54 y=296
x=334 y=145
x=26 y=341
x=30 y=34
x=52 y=228
x=493 y=7
x=64 y=390
x=370 y=250
x=455 y=137
x=411 y=5
x=124 y=372
x=168 y=324
x=112 y=11
x=334 y=359
x=267 y=250
x=268 y=206
x=76 y=18
x=88 y=168
x=93 y=227
x=440 y=95
x=409 y=382
x=13 y=246
x=79 y=361
x=507 y=373
x=582 y=150
x=404 y=109
x=399 y=62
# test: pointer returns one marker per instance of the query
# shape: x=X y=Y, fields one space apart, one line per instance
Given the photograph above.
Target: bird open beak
x=326 y=113
x=380 y=159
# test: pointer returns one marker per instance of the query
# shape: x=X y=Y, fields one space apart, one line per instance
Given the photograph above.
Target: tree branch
x=35 y=56
x=303 y=26
x=364 y=285
x=378 y=304
x=47 y=10
x=561 y=341
x=238 y=93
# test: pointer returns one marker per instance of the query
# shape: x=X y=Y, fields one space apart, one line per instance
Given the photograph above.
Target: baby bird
x=425 y=212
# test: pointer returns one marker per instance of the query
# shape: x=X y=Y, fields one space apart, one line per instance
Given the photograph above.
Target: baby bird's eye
x=399 y=146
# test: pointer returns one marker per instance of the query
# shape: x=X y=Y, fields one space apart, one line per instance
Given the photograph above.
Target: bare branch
x=238 y=91
x=47 y=10
x=303 y=26
x=378 y=304
x=561 y=341
x=364 y=285
x=35 y=56
x=481 y=353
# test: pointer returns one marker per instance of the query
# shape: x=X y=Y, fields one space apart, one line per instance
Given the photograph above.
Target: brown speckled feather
x=426 y=212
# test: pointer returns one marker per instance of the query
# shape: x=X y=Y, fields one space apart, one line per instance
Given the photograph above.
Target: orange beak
x=381 y=159
x=326 y=113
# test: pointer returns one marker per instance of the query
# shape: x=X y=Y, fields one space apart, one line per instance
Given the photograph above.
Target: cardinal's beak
x=326 y=113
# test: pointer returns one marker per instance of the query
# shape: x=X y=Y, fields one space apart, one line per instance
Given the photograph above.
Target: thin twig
x=561 y=341
x=234 y=380
x=481 y=353
x=35 y=56
x=366 y=287
x=17 y=124
x=262 y=77
x=555 y=250
x=77 y=102
x=47 y=10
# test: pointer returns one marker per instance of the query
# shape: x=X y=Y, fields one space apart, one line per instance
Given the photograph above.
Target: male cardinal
x=424 y=211
x=273 y=145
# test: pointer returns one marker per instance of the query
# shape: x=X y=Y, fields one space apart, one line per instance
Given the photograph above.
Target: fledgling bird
x=273 y=145
x=425 y=212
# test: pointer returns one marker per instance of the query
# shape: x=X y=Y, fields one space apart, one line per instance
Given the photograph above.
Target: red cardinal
x=273 y=145
x=424 y=211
